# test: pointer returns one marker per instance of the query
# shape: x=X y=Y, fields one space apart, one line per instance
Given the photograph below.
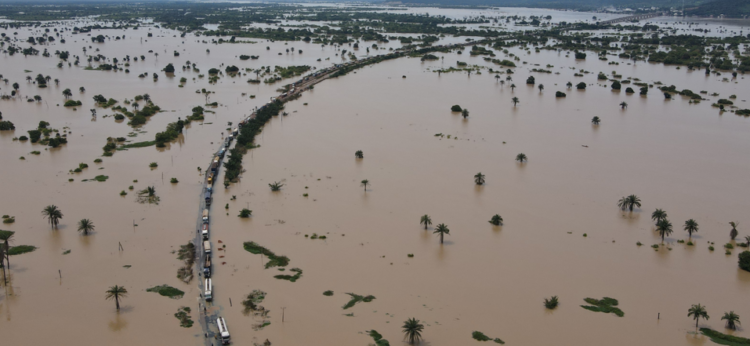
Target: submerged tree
x=595 y=120
x=664 y=227
x=276 y=186
x=412 y=331
x=116 y=292
x=465 y=113
x=67 y=93
x=658 y=215
x=365 y=183
x=697 y=311
x=691 y=227
x=479 y=178
x=629 y=202
x=441 y=229
x=358 y=154
x=426 y=220
x=521 y=158
x=623 y=105
x=6 y=237
x=515 y=101
x=53 y=215
x=496 y=220
x=733 y=232
x=148 y=195
x=85 y=226
x=732 y=320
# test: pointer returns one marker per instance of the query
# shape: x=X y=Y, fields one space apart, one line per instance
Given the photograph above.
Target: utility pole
x=282 y=313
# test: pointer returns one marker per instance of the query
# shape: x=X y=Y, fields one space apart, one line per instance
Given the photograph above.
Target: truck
x=207 y=290
x=204 y=231
x=210 y=180
x=205 y=215
x=207 y=267
x=235 y=131
x=215 y=164
x=223 y=331
x=208 y=198
x=207 y=247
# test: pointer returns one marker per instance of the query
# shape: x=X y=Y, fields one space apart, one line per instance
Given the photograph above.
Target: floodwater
x=688 y=159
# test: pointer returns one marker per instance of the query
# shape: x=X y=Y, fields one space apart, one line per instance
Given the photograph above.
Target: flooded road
x=688 y=159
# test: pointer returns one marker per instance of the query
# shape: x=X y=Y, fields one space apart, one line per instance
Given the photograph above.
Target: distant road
x=632 y=18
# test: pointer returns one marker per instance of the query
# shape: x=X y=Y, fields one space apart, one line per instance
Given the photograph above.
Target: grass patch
x=606 y=305
x=356 y=299
x=21 y=249
x=184 y=317
x=252 y=300
x=167 y=291
x=101 y=178
x=724 y=339
x=328 y=293
x=379 y=341
x=479 y=336
x=66 y=252
x=273 y=260
x=137 y=145
x=292 y=278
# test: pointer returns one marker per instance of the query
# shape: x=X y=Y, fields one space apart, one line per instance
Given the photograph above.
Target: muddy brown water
x=687 y=159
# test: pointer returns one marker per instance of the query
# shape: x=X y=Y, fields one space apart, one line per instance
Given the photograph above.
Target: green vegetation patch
x=606 y=305
x=21 y=249
x=724 y=339
x=252 y=300
x=292 y=278
x=379 y=341
x=479 y=336
x=101 y=178
x=356 y=299
x=184 y=317
x=328 y=293
x=167 y=291
x=273 y=259
x=137 y=145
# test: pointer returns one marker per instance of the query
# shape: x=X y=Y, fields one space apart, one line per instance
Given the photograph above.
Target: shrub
x=35 y=135
x=580 y=55
x=169 y=68
x=629 y=90
x=174 y=181
x=456 y=108
x=616 y=85
x=744 y=260
x=530 y=80
x=328 y=293
x=72 y=103
x=560 y=94
x=153 y=165
x=581 y=86
x=6 y=126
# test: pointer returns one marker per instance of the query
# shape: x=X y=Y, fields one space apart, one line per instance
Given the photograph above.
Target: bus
x=223 y=330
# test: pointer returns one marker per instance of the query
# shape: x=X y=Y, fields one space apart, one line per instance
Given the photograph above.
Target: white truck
x=207 y=247
x=223 y=331
x=207 y=290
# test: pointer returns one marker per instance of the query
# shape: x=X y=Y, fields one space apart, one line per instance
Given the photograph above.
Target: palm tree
x=658 y=215
x=521 y=158
x=442 y=229
x=358 y=154
x=57 y=81
x=698 y=312
x=479 y=178
x=85 y=226
x=28 y=79
x=2 y=263
x=569 y=85
x=412 y=330
x=364 y=183
x=53 y=215
x=664 y=227
x=691 y=227
x=496 y=220
x=465 y=113
x=623 y=105
x=512 y=87
x=426 y=220
x=747 y=240
x=732 y=320
x=515 y=101
x=541 y=87
x=67 y=93
x=629 y=202
x=733 y=233
x=595 y=120
x=116 y=292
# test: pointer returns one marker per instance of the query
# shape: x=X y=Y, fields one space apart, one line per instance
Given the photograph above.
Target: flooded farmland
x=562 y=233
